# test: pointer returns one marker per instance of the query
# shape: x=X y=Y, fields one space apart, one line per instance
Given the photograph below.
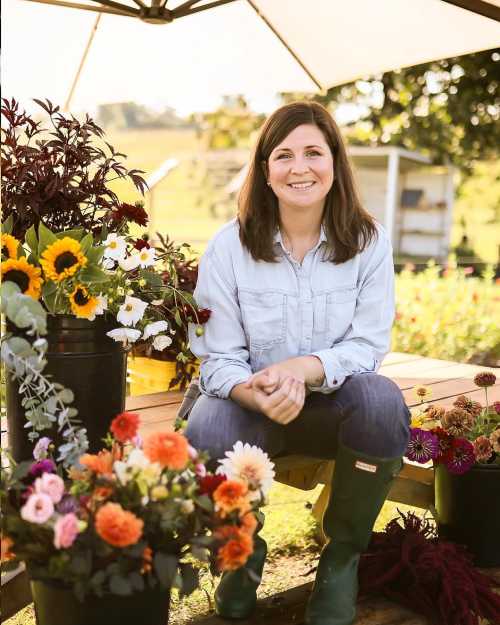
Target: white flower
x=131 y=311
x=146 y=257
x=187 y=506
x=249 y=463
x=125 y=335
x=137 y=464
x=127 y=264
x=100 y=308
x=154 y=328
x=41 y=448
x=108 y=263
x=116 y=246
x=161 y=341
x=157 y=302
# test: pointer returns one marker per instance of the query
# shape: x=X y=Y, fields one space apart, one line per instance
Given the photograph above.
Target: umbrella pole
x=82 y=62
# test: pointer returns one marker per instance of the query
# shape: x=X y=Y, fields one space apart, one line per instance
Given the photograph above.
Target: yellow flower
x=83 y=304
x=26 y=276
x=9 y=246
x=422 y=391
x=62 y=259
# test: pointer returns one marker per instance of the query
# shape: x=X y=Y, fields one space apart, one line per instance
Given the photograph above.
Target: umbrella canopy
x=229 y=46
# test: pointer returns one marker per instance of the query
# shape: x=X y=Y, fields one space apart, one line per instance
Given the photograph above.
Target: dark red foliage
x=140 y=244
x=130 y=212
x=58 y=174
x=209 y=483
x=409 y=564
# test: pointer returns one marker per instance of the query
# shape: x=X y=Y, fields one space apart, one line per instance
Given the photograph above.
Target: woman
x=301 y=292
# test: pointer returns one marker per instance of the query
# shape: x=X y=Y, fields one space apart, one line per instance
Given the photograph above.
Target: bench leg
x=319 y=511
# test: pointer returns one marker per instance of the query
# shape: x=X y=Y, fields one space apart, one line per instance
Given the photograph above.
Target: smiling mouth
x=301 y=185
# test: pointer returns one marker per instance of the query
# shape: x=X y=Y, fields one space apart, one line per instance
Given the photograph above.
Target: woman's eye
x=282 y=156
x=313 y=153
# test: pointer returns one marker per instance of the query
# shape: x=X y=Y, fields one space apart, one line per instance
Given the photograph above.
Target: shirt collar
x=278 y=239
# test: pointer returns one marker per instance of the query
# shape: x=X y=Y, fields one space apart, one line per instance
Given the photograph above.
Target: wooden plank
x=399 y=357
x=139 y=402
x=446 y=389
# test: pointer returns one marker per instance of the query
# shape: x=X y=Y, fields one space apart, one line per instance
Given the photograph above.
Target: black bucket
x=82 y=358
x=468 y=510
x=56 y=605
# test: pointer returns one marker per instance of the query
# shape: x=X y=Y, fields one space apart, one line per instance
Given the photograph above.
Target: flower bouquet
x=107 y=539
x=463 y=443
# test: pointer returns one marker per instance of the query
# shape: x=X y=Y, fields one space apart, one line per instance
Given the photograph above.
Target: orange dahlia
x=169 y=449
x=6 y=545
x=124 y=426
x=101 y=463
x=231 y=495
x=117 y=526
x=235 y=552
x=249 y=523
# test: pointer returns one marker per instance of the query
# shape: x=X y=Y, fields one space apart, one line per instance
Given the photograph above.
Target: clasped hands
x=279 y=390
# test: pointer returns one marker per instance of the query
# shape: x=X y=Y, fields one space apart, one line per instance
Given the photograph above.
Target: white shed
x=410 y=197
x=403 y=191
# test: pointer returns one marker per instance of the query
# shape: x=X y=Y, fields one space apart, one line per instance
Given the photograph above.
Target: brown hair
x=348 y=226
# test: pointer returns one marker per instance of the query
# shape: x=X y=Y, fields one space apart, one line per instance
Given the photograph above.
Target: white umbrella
x=230 y=46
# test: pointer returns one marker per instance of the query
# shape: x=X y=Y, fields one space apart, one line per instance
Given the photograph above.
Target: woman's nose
x=299 y=166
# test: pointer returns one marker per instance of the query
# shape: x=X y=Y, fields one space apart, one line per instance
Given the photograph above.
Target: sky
x=187 y=65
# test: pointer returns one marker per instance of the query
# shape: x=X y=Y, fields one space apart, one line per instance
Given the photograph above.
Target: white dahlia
x=248 y=462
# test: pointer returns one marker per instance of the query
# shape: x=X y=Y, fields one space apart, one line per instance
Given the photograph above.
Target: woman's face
x=300 y=169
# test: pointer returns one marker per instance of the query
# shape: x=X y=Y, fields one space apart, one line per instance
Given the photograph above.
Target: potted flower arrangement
x=106 y=540
x=152 y=369
x=463 y=443
x=66 y=241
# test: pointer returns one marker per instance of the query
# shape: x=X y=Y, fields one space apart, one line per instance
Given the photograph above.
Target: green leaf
x=190 y=581
x=86 y=243
x=7 y=291
x=7 y=225
x=66 y=396
x=94 y=254
x=137 y=581
x=75 y=233
x=93 y=274
x=49 y=292
x=21 y=470
x=153 y=279
x=120 y=585
x=32 y=241
x=178 y=318
x=165 y=566
x=45 y=238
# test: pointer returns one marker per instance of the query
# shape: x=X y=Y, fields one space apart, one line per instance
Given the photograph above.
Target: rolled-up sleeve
x=222 y=348
x=368 y=339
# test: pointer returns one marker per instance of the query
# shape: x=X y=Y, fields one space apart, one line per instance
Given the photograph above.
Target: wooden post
x=391 y=195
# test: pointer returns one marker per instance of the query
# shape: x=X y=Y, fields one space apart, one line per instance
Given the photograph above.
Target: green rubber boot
x=236 y=594
x=360 y=486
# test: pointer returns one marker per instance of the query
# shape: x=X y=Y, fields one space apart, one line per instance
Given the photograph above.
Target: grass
x=290 y=532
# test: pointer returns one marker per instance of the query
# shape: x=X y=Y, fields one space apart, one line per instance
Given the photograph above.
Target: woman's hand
x=284 y=404
x=308 y=369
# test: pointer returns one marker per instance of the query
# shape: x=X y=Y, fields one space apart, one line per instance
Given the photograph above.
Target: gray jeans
x=367 y=414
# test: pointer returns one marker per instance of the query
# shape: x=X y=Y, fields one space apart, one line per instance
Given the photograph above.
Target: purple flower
x=67 y=505
x=460 y=456
x=42 y=466
x=423 y=446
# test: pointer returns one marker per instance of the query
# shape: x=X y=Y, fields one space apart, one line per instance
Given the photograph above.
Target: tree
x=448 y=108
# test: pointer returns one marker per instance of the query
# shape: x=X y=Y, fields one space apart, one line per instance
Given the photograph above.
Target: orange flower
x=117 y=526
x=147 y=559
x=235 y=552
x=6 y=545
x=248 y=523
x=102 y=492
x=230 y=495
x=124 y=426
x=101 y=463
x=170 y=449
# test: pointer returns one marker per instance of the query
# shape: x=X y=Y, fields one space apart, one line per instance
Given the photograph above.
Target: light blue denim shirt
x=263 y=313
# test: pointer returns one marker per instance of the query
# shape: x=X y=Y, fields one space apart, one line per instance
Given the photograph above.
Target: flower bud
x=199 y=331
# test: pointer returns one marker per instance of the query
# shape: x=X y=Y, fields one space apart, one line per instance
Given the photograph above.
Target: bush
x=447 y=315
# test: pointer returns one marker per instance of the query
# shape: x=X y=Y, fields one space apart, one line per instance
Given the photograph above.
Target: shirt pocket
x=264 y=317
x=340 y=308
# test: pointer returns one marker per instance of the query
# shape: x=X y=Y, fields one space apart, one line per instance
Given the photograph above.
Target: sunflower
x=9 y=246
x=83 y=304
x=62 y=259
x=26 y=276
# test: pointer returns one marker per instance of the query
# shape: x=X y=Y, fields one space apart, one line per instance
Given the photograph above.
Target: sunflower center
x=65 y=261
x=19 y=277
x=80 y=297
x=5 y=251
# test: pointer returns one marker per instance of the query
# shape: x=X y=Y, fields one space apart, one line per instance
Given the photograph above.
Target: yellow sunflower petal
x=9 y=246
x=26 y=276
x=82 y=304
x=62 y=259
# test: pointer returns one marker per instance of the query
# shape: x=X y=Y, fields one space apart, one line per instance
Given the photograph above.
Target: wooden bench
x=414 y=485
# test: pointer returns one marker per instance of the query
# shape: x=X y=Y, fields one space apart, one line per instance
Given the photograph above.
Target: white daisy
x=152 y=329
x=249 y=463
x=130 y=263
x=137 y=463
x=146 y=257
x=125 y=335
x=116 y=246
x=160 y=342
x=131 y=311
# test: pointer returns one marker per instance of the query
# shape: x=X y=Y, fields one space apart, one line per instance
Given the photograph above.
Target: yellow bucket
x=147 y=375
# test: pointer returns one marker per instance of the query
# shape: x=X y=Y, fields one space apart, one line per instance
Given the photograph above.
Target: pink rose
x=50 y=484
x=200 y=470
x=38 y=509
x=193 y=454
x=65 y=531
